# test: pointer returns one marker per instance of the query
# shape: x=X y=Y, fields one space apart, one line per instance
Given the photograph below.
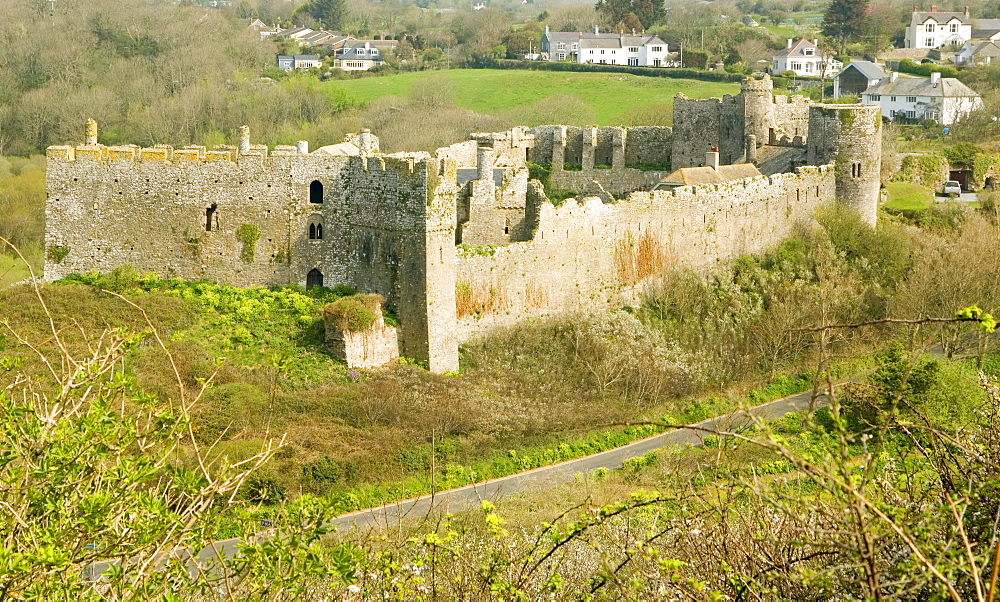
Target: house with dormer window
x=936 y=29
x=635 y=50
x=359 y=57
x=909 y=99
x=806 y=59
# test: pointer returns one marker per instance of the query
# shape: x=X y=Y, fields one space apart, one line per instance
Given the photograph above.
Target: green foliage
x=263 y=488
x=963 y=154
x=247 y=325
x=331 y=14
x=925 y=69
x=59 y=252
x=691 y=71
x=627 y=12
x=844 y=20
x=481 y=250
x=697 y=59
x=879 y=256
x=355 y=312
x=248 y=234
x=321 y=474
x=927 y=170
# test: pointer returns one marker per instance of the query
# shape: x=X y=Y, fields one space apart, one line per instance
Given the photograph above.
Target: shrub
x=354 y=313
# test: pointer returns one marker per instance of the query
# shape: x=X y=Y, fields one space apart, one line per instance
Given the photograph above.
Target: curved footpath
x=471 y=496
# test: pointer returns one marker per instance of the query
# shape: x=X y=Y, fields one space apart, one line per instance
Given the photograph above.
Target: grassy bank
x=535 y=96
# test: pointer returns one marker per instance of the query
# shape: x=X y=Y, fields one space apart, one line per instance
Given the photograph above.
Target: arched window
x=316 y=192
x=315 y=228
x=314 y=278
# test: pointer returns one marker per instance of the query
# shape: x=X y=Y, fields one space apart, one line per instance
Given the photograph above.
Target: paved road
x=471 y=496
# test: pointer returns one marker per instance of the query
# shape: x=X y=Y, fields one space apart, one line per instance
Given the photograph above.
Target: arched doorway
x=316 y=192
x=314 y=278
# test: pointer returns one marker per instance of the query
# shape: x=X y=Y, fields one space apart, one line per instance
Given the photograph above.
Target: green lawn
x=905 y=196
x=612 y=96
x=11 y=270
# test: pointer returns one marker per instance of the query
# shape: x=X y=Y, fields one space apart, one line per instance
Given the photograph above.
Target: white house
x=640 y=50
x=943 y=99
x=299 y=61
x=806 y=59
x=359 y=57
x=978 y=52
x=933 y=29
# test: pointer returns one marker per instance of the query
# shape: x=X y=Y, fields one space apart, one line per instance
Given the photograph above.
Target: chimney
x=933 y=9
x=546 y=30
x=893 y=76
x=790 y=42
x=966 y=11
x=302 y=147
x=815 y=41
x=596 y=30
x=935 y=78
x=712 y=158
x=915 y=9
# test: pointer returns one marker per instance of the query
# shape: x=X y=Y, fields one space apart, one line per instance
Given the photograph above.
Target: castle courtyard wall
x=586 y=253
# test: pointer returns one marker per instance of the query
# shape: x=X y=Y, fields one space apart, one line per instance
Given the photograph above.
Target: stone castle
x=463 y=240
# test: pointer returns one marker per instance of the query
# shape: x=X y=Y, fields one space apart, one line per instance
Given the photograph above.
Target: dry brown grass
x=637 y=261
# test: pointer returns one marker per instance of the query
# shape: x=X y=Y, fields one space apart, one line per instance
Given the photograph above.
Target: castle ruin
x=463 y=240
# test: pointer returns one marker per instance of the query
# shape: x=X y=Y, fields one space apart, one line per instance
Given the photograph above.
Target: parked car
x=951 y=187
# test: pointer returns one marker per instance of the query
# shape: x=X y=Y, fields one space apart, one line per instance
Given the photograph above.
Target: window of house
x=875 y=97
x=796 y=66
x=911 y=114
x=657 y=48
x=602 y=52
x=929 y=42
x=561 y=56
x=911 y=99
x=561 y=46
x=892 y=98
x=316 y=192
x=633 y=49
x=953 y=28
x=809 y=67
x=929 y=28
x=808 y=51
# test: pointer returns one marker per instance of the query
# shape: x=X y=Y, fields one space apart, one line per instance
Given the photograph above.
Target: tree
x=330 y=13
x=647 y=12
x=880 y=26
x=843 y=21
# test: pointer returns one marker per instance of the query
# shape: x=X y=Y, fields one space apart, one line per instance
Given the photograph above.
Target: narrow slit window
x=211 y=223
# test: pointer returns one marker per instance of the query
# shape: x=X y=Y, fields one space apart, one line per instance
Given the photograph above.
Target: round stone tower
x=849 y=137
x=758 y=105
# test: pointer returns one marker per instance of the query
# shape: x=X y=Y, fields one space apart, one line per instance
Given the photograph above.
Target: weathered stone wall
x=728 y=121
x=647 y=145
x=388 y=224
x=850 y=137
x=588 y=253
x=603 y=155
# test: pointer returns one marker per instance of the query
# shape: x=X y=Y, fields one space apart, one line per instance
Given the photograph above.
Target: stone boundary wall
x=244 y=218
x=586 y=253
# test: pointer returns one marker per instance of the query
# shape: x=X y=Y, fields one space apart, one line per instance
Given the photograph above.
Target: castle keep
x=462 y=240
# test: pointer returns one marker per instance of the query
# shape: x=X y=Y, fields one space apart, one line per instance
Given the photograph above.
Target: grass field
x=904 y=196
x=11 y=270
x=612 y=97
